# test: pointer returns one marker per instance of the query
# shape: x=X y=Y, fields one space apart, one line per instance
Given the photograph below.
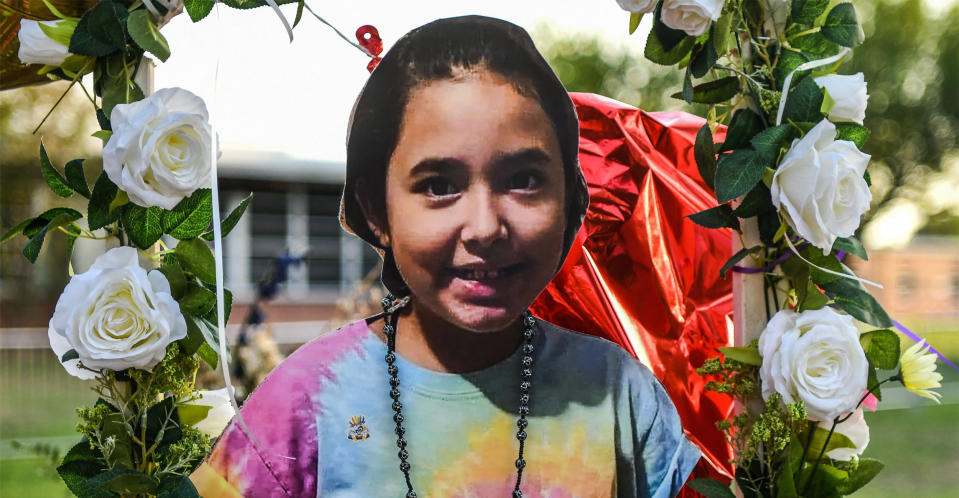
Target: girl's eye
x=525 y=181
x=438 y=187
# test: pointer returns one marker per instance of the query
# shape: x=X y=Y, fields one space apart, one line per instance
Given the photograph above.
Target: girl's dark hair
x=438 y=51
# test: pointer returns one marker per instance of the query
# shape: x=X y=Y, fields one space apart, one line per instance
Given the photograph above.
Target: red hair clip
x=369 y=39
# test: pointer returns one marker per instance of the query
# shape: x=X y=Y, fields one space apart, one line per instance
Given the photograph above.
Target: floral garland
x=791 y=171
x=138 y=332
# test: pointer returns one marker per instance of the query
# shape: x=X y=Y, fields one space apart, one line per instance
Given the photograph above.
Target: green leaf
x=836 y=441
x=744 y=125
x=76 y=179
x=634 y=19
x=841 y=26
x=176 y=278
x=113 y=426
x=742 y=253
x=716 y=217
x=737 y=173
x=806 y=11
x=872 y=382
x=720 y=33
x=852 y=298
x=815 y=45
x=788 y=61
x=190 y=217
x=705 y=154
x=656 y=52
x=163 y=423
x=758 y=200
x=850 y=245
x=827 y=261
x=687 y=91
x=208 y=355
x=197 y=259
x=825 y=483
x=102 y=135
x=197 y=300
x=198 y=9
x=144 y=32
x=227 y=305
x=70 y=355
x=94 y=25
x=192 y=414
x=176 y=486
x=804 y=102
x=812 y=298
x=128 y=481
x=56 y=182
x=711 y=488
x=787 y=481
x=232 y=219
x=194 y=336
x=98 y=213
x=742 y=354
x=704 y=60
x=666 y=36
x=32 y=248
x=9 y=234
x=714 y=92
x=867 y=469
x=881 y=347
x=769 y=142
x=79 y=465
x=853 y=132
x=120 y=91
x=143 y=225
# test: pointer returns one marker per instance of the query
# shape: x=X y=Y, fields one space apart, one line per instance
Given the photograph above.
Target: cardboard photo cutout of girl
x=462 y=171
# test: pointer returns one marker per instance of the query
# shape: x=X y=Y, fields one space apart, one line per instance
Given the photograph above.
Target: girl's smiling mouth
x=482 y=281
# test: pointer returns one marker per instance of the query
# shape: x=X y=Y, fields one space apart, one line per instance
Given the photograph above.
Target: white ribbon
x=826 y=270
x=286 y=24
x=170 y=5
x=218 y=256
x=802 y=67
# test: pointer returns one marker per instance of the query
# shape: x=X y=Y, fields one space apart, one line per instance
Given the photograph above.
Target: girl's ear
x=374 y=220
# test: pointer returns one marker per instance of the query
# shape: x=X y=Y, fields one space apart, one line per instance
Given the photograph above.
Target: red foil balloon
x=642 y=274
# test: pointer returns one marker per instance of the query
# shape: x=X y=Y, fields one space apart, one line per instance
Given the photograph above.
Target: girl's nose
x=483 y=224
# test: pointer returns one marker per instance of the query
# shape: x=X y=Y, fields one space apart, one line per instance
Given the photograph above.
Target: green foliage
x=743 y=354
x=744 y=125
x=717 y=217
x=737 y=173
x=806 y=11
x=804 y=102
x=190 y=217
x=144 y=225
x=714 y=92
x=852 y=132
x=842 y=26
x=99 y=213
x=56 y=182
x=736 y=258
x=230 y=221
x=198 y=9
x=711 y=488
x=705 y=154
x=144 y=32
x=197 y=258
x=101 y=31
x=852 y=298
x=881 y=347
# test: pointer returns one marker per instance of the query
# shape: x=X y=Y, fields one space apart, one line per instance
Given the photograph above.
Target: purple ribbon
x=912 y=335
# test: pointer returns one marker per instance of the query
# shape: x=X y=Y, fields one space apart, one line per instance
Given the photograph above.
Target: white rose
x=814 y=357
x=116 y=316
x=220 y=414
x=857 y=431
x=848 y=93
x=691 y=16
x=37 y=47
x=159 y=152
x=638 y=6
x=819 y=186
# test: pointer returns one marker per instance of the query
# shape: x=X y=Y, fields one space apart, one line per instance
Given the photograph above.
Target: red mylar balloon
x=369 y=38
x=642 y=274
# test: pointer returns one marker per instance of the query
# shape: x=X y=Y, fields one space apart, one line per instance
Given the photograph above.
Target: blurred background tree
x=910 y=59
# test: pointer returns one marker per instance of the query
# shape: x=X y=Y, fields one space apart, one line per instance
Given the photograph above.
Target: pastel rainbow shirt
x=600 y=425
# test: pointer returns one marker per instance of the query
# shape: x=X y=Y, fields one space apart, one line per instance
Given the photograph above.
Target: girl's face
x=475 y=200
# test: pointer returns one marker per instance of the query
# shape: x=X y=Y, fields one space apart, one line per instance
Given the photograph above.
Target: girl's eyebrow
x=523 y=157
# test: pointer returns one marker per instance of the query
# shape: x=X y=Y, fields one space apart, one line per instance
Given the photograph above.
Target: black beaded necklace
x=390 y=307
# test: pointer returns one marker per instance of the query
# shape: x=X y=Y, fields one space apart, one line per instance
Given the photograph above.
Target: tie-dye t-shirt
x=600 y=425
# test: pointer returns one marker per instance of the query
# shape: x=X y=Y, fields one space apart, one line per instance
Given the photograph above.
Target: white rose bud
x=857 y=431
x=45 y=42
x=116 y=316
x=220 y=414
x=691 y=16
x=814 y=357
x=638 y=6
x=819 y=186
x=848 y=93
x=159 y=152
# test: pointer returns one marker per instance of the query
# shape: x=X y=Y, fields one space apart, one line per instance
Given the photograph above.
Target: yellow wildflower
x=918 y=371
